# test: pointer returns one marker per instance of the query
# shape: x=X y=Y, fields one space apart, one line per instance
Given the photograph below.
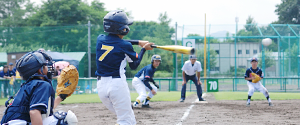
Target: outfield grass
x=94 y=98
x=256 y=96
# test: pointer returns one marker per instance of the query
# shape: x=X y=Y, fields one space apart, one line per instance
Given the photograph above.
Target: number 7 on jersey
x=108 y=49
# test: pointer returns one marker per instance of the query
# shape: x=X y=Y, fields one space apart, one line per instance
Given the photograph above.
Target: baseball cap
x=254 y=59
x=10 y=64
x=193 y=57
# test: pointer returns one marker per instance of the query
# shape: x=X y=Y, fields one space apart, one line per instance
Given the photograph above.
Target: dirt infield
x=213 y=112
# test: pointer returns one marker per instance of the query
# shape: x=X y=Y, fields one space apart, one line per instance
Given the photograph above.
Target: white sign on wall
x=189 y=43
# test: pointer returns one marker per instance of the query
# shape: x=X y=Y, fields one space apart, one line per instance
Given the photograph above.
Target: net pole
x=205 y=52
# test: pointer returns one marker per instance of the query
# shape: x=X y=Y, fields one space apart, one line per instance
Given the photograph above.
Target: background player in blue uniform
x=34 y=102
x=8 y=74
x=141 y=82
x=112 y=54
x=255 y=86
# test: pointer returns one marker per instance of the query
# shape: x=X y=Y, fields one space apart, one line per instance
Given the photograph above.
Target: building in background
x=226 y=57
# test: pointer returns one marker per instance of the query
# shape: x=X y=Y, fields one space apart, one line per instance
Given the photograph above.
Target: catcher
x=254 y=74
x=141 y=82
x=34 y=102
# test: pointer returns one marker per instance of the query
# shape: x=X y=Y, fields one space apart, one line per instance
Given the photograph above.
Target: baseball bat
x=172 y=48
x=176 y=49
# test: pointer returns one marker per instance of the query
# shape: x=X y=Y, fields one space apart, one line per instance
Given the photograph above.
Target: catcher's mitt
x=67 y=82
x=257 y=78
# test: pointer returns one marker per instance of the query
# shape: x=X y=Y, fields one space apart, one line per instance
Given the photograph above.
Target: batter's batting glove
x=156 y=85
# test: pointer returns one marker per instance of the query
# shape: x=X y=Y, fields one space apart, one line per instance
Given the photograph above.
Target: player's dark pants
x=6 y=87
x=198 y=87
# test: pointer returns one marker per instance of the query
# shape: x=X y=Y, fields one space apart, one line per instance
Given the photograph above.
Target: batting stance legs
x=141 y=89
x=198 y=87
x=109 y=91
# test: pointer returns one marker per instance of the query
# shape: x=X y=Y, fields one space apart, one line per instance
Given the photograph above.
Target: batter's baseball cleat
x=248 y=104
x=271 y=104
x=201 y=99
x=181 y=100
x=135 y=104
x=146 y=106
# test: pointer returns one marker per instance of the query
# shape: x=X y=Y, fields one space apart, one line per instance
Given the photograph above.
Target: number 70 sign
x=212 y=85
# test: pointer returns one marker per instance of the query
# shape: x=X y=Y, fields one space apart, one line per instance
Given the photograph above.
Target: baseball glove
x=67 y=82
x=257 y=78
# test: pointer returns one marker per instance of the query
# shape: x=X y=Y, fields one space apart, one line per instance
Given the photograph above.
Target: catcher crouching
x=34 y=102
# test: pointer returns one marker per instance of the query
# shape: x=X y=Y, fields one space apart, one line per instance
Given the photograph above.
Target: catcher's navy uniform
x=35 y=94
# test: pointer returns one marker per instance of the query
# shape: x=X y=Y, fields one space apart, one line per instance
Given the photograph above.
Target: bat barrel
x=192 y=51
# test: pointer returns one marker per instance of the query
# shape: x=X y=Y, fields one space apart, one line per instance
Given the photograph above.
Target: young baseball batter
x=112 y=53
x=34 y=102
x=255 y=86
x=141 y=82
x=189 y=70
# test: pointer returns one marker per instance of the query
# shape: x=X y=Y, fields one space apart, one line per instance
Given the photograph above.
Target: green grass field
x=94 y=98
x=256 y=96
x=174 y=96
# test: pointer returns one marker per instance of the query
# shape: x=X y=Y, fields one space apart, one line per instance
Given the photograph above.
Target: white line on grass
x=187 y=112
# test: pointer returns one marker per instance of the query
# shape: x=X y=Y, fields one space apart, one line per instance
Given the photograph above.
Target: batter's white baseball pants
x=114 y=94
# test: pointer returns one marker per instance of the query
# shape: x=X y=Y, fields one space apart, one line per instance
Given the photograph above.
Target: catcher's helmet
x=116 y=21
x=31 y=62
x=155 y=57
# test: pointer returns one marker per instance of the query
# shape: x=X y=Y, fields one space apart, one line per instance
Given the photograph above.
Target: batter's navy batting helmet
x=155 y=57
x=116 y=21
x=31 y=62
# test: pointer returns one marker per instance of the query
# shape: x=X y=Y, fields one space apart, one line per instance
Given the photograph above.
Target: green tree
x=12 y=15
x=201 y=39
x=269 y=59
x=250 y=30
x=288 y=12
x=291 y=55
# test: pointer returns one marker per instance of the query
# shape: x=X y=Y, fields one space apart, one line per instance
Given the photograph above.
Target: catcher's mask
x=31 y=62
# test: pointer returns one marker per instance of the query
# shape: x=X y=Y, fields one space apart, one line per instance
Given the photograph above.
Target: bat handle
x=153 y=46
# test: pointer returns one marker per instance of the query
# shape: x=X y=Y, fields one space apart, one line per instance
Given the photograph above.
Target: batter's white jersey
x=191 y=70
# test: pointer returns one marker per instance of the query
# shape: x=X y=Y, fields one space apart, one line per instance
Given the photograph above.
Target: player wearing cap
x=255 y=86
x=141 y=82
x=112 y=55
x=189 y=70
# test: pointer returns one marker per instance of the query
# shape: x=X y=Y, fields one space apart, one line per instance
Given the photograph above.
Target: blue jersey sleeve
x=135 y=64
x=247 y=73
x=1 y=74
x=40 y=97
x=148 y=76
x=128 y=50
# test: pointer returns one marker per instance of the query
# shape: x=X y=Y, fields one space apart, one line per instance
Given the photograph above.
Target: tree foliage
x=288 y=12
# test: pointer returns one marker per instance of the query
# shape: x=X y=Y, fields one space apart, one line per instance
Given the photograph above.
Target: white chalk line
x=187 y=112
